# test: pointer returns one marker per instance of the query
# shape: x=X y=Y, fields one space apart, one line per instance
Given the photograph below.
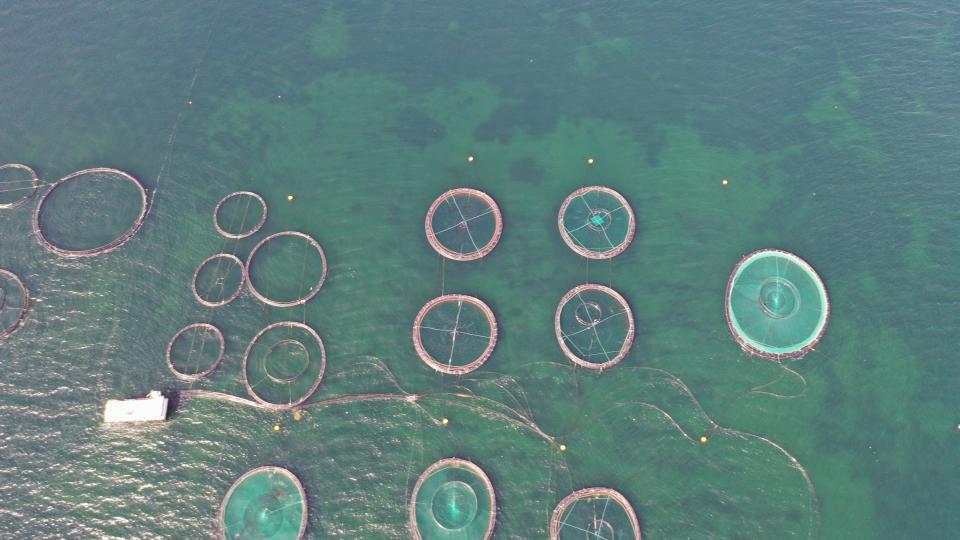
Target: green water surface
x=835 y=127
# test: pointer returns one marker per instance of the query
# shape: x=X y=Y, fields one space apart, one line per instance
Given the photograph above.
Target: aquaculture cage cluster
x=18 y=184
x=264 y=503
x=453 y=499
x=776 y=305
x=284 y=362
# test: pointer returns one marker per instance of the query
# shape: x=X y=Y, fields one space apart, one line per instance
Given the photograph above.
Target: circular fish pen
x=596 y=222
x=594 y=326
x=38 y=228
x=234 y=199
x=596 y=513
x=202 y=361
x=14 y=303
x=283 y=365
x=455 y=333
x=452 y=500
x=210 y=291
x=18 y=183
x=776 y=305
x=299 y=297
x=266 y=502
x=464 y=224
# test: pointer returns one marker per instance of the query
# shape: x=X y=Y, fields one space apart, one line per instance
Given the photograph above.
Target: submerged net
x=594 y=514
x=14 y=303
x=596 y=222
x=464 y=224
x=81 y=214
x=283 y=364
x=219 y=280
x=594 y=326
x=264 y=503
x=286 y=269
x=452 y=500
x=17 y=184
x=455 y=333
x=777 y=306
x=195 y=351
x=240 y=214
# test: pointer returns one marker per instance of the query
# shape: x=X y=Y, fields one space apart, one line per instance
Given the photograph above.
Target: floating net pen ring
x=316 y=383
x=264 y=516
x=452 y=522
x=280 y=379
x=216 y=215
x=30 y=189
x=15 y=325
x=207 y=328
x=313 y=290
x=100 y=250
x=596 y=231
x=233 y=296
x=776 y=305
x=598 y=525
x=588 y=315
x=449 y=367
x=459 y=224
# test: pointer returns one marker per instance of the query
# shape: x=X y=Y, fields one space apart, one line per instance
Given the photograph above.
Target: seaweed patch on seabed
x=639 y=435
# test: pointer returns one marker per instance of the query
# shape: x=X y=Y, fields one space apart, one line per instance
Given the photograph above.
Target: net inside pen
x=265 y=503
x=90 y=212
x=195 y=351
x=464 y=224
x=284 y=364
x=596 y=222
x=594 y=326
x=240 y=214
x=14 y=303
x=452 y=500
x=219 y=280
x=18 y=183
x=594 y=514
x=286 y=269
x=455 y=333
x=777 y=306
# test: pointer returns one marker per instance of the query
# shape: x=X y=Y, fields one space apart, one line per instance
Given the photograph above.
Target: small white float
x=152 y=408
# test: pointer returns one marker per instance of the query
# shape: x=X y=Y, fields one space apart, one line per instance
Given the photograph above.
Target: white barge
x=152 y=408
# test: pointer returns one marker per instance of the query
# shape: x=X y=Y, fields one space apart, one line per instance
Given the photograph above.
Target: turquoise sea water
x=836 y=127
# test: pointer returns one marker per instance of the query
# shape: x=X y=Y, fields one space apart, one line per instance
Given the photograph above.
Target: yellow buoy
x=470 y=159
x=289 y=197
x=589 y=161
x=445 y=421
x=297 y=416
x=563 y=448
x=703 y=439
x=276 y=427
x=724 y=181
